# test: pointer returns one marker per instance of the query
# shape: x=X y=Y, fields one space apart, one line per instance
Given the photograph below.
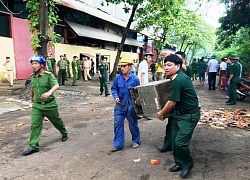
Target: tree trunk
x=186 y=47
x=43 y=26
x=182 y=44
x=113 y=74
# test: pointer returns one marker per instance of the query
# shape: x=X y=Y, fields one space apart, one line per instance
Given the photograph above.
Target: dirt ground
x=218 y=154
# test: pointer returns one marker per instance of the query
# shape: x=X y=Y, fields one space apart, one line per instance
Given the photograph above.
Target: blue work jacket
x=121 y=89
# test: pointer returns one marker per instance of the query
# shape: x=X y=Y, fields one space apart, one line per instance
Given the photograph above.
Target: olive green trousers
x=182 y=131
x=39 y=111
x=168 y=134
x=232 y=90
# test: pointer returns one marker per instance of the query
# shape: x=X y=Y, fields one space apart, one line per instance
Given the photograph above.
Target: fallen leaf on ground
x=94 y=133
x=77 y=97
x=7 y=102
x=137 y=160
x=20 y=124
x=155 y=161
x=22 y=109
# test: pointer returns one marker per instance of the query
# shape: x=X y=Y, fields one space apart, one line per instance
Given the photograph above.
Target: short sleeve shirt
x=74 y=65
x=49 y=65
x=103 y=69
x=213 y=65
x=183 y=93
x=235 y=70
x=143 y=68
x=194 y=65
x=9 y=66
x=201 y=67
x=188 y=71
x=223 y=66
x=42 y=84
x=62 y=64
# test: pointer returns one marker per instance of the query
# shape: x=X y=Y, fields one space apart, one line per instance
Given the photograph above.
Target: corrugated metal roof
x=86 y=31
x=83 y=7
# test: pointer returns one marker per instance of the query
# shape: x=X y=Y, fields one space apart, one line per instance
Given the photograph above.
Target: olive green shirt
x=194 y=65
x=49 y=65
x=228 y=69
x=189 y=71
x=80 y=65
x=42 y=84
x=103 y=69
x=183 y=93
x=74 y=66
x=62 y=64
x=235 y=70
x=68 y=63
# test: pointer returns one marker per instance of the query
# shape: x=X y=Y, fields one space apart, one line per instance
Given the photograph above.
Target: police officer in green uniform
x=62 y=66
x=74 y=70
x=68 y=75
x=186 y=114
x=80 y=69
x=167 y=144
x=103 y=73
x=49 y=63
x=43 y=85
x=233 y=79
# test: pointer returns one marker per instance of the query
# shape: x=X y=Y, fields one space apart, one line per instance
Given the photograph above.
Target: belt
x=188 y=112
x=46 y=102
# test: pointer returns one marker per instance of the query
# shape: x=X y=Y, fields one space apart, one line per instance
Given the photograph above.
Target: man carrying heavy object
x=167 y=144
x=43 y=85
x=183 y=100
x=124 y=106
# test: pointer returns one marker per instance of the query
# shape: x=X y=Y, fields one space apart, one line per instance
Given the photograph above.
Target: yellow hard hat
x=125 y=61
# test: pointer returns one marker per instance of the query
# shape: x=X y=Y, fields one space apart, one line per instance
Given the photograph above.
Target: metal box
x=150 y=98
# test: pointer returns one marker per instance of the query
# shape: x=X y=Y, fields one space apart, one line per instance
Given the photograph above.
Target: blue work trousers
x=119 y=127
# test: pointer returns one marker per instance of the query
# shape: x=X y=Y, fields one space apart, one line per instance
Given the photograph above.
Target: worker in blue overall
x=124 y=106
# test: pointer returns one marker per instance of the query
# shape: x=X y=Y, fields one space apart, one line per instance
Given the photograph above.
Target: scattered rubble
x=221 y=118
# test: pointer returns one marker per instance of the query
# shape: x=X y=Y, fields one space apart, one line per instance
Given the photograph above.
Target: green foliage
x=239 y=44
x=233 y=35
x=237 y=16
x=158 y=16
x=173 y=24
x=34 y=20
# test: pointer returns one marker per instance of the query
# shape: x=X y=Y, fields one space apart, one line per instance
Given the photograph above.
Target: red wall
x=22 y=47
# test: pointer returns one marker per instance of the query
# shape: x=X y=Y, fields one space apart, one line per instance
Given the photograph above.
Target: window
x=5 y=25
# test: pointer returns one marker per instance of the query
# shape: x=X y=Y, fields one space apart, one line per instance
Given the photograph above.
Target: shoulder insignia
x=47 y=72
x=174 y=76
x=32 y=74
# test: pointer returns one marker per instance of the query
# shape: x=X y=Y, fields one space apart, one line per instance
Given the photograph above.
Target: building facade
x=86 y=27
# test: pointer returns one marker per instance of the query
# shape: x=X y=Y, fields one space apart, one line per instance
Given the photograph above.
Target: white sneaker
x=135 y=145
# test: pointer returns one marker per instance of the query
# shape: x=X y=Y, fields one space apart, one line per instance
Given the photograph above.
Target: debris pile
x=220 y=118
